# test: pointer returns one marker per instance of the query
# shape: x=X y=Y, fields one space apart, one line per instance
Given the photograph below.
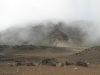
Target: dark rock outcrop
x=49 y=62
x=80 y=63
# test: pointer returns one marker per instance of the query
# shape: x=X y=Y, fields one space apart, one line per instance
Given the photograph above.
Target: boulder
x=29 y=64
x=61 y=64
x=49 y=62
x=20 y=63
x=67 y=63
x=80 y=63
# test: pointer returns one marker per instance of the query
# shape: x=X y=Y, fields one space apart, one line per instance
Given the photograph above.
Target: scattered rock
x=80 y=63
x=20 y=64
x=75 y=69
x=61 y=64
x=29 y=64
x=11 y=64
x=24 y=64
x=67 y=63
x=49 y=62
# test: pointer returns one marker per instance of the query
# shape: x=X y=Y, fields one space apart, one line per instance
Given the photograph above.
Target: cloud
x=13 y=12
x=21 y=12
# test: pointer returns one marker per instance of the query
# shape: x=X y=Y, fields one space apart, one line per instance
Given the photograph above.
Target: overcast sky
x=14 y=12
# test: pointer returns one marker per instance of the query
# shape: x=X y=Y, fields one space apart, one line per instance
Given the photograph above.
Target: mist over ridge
x=75 y=33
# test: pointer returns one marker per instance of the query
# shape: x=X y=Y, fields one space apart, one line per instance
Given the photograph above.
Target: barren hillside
x=49 y=34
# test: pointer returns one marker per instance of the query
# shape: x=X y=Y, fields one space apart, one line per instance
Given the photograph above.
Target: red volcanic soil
x=90 y=55
x=48 y=70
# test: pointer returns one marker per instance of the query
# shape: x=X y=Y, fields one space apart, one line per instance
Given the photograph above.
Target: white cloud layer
x=13 y=12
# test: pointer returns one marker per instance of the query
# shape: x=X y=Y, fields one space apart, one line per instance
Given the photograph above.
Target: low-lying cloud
x=20 y=13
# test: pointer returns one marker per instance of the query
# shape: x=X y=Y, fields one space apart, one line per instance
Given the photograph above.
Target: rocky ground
x=35 y=60
x=48 y=70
